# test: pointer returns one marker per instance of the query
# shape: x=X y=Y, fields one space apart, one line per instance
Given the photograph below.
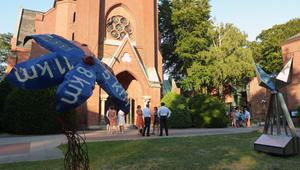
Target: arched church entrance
x=134 y=91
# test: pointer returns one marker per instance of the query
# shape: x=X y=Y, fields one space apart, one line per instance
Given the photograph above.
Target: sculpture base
x=278 y=145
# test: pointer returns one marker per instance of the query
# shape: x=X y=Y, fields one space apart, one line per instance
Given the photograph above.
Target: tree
x=228 y=60
x=5 y=46
x=183 y=26
x=266 y=49
x=168 y=39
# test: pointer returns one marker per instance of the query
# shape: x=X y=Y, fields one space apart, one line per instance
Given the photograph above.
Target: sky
x=250 y=16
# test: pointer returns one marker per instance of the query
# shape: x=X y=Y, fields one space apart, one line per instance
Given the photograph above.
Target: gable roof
x=293 y=38
x=150 y=72
x=25 y=26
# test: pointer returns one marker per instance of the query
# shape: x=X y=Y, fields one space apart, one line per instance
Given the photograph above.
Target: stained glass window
x=128 y=29
x=124 y=21
x=110 y=27
x=118 y=27
x=115 y=34
x=115 y=19
x=122 y=35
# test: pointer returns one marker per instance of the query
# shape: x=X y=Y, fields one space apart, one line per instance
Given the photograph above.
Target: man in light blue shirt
x=163 y=113
x=147 y=120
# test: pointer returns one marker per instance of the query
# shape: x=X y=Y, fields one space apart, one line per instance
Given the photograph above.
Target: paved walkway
x=33 y=148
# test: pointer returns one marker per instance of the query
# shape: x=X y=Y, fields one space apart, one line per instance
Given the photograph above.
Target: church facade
x=122 y=33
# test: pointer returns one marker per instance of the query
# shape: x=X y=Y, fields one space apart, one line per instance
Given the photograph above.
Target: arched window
x=118 y=26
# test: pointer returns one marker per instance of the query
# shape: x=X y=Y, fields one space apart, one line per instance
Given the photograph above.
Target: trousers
x=163 y=124
x=147 y=126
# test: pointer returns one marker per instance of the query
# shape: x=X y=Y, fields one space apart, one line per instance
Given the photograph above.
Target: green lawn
x=234 y=151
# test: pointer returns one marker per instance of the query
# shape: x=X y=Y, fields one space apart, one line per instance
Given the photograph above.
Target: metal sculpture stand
x=76 y=156
x=278 y=143
x=77 y=153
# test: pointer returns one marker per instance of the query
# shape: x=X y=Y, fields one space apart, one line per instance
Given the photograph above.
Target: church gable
x=126 y=58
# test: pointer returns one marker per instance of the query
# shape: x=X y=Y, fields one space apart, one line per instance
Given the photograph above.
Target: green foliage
x=228 y=151
x=168 y=38
x=184 y=25
x=207 y=112
x=5 y=89
x=267 y=50
x=180 y=117
x=298 y=110
x=228 y=60
x=5 y=46
x=31 y=112
x=201 y=111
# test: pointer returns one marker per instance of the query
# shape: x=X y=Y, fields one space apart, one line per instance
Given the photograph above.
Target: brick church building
x=122 y=33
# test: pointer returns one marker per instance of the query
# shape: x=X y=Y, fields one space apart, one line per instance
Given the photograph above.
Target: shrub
x=31 y=112
x=207 y=112
x=298 y=114
x=180 y=117
x=298 y=108
x=5 y=89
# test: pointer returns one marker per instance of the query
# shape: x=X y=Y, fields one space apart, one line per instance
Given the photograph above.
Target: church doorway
x=134 y=91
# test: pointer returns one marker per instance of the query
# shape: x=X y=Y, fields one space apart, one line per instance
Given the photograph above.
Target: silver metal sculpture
x=270 y=142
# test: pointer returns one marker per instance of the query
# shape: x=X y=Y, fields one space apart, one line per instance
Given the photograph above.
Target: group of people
x=143 y=120
x=239 y=118
x=114 y=122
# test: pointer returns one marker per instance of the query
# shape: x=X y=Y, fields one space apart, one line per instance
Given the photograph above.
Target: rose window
x=118 y=27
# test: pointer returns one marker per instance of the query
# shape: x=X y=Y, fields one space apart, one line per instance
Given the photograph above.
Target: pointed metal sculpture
x=269 y=142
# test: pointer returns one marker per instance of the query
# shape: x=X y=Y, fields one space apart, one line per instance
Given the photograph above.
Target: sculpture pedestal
x=278 y=145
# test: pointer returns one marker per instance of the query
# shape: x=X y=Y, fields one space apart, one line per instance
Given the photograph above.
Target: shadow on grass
x=233 y=151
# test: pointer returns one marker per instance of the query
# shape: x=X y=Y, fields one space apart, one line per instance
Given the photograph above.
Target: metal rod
x=287 y=114
x=277 y=114
x=267 y=116
x=284 y=124
x=272 y=117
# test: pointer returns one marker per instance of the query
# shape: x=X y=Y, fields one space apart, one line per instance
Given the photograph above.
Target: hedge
x=207 y=112
x=31 y=112
x=180 y=117
x=5 y=89
x=200 y=111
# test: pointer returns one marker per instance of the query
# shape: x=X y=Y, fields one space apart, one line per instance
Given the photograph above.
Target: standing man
x=147 y=120
x=247 y=117
x=163 y=113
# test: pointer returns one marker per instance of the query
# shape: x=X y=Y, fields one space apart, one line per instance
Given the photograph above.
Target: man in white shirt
x=163 y=113
x=247 y=117
x=147 y=120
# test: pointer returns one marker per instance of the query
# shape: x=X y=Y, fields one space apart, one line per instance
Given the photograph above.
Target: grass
x=234 y=151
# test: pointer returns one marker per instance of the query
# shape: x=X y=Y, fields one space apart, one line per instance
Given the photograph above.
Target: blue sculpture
x=71 y=66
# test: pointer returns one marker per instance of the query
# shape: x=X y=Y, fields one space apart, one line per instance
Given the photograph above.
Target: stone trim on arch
x=149 y=72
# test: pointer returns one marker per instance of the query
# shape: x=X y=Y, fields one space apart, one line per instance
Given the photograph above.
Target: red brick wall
x=292 y=91
x=89 y=28
x=257 y=93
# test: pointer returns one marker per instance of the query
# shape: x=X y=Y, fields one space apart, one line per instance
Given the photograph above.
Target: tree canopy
x=228 y=60
x=183 y=26
x=266 y=49
x=202 y=55
x=5 y=46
